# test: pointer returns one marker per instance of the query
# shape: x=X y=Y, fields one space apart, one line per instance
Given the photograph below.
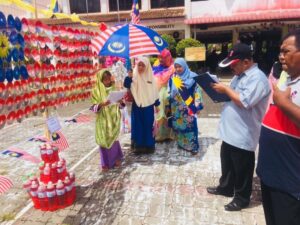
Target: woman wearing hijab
x=108 y=121
x=145 y=94
x=185 y=102
x=162 y=74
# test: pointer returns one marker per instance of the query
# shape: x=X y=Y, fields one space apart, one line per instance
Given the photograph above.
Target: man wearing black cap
x=240 y=126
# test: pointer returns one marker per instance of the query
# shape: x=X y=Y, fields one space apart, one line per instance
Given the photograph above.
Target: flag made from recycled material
x=59 y=140
x=135 y=13
x=5 y=184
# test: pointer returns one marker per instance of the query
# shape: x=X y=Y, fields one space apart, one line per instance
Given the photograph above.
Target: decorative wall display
x=42 y=67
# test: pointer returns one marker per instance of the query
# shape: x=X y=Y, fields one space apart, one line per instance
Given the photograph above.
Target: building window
x=124 y=5
x=166 y=3
x=85 y=6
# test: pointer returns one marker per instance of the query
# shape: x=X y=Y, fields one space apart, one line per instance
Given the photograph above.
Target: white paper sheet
x=115 y=96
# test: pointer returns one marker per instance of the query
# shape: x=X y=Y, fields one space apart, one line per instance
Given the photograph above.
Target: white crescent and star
x=158 y=41
x=115 y=47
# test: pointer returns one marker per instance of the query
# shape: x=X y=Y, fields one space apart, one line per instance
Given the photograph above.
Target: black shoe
x=216 y=191
x=235 y=206
x=194 y=153
x=138 y=151
x=150 y=150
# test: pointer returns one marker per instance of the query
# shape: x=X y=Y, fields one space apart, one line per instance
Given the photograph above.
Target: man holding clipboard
x=240 y=125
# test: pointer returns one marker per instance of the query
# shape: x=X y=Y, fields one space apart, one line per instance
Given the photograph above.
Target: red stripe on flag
x=5 y=184
x=81 y=118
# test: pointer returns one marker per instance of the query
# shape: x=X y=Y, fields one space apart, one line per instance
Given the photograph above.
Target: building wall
x=228 y=7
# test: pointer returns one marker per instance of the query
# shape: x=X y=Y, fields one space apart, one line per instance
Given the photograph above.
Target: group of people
x=248 y=120
x=168 y=97
x=166 y=101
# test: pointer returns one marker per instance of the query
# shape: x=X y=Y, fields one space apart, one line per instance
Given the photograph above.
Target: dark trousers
x=280 y=208
x=237 y=172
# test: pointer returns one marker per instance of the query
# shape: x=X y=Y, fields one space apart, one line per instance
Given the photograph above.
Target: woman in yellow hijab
x=108 y=121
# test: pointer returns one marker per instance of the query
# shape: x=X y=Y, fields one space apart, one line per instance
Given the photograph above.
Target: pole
x=35 y=10
x=118 y=8
x=46 y=112
x=87 y=6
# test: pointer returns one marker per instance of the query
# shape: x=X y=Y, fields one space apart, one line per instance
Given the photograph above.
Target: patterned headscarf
x=166 y=55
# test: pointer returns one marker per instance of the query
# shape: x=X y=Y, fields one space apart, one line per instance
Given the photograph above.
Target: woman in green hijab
x=108 y=121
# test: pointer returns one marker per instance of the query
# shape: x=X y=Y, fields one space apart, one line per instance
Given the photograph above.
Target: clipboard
x=204 y=80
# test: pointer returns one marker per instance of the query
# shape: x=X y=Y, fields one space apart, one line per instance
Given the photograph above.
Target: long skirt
x=109 y=157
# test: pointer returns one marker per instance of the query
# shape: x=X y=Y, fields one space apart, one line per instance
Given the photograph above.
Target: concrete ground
x=166 y=188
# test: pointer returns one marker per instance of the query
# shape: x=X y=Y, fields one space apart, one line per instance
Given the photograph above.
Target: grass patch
x=7 y=217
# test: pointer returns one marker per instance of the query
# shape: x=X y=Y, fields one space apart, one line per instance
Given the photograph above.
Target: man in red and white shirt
x=279 y=145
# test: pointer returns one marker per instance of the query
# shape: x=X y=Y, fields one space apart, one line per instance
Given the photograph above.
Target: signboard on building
x=195 y=54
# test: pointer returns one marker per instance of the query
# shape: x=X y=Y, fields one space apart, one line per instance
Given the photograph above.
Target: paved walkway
x=166 y=188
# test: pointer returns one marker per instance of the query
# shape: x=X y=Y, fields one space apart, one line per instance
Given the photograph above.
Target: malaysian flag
x=82 y=118
x=98 y=42
x=135 y=13
x=20 y=153
x=5 y=184
x=59 y=140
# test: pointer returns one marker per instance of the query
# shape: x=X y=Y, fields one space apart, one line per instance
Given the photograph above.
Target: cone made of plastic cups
x=37 y=84
x=42 y=106
x=11 y=117
x=20 y=115
x=2 y=121
x=34 y=109
x=18 y=102
x=3 y=90
x=27 y=111
x=9 y=103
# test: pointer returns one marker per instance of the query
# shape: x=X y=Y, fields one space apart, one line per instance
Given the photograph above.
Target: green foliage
x=7 y=217
x=152 y=60
x=171 y=42
x=185 y=43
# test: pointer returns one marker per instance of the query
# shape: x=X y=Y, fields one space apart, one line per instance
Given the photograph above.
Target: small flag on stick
x=59 y=140
x=135 y=13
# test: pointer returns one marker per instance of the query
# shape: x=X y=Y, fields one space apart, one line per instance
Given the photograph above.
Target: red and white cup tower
x=56 y=187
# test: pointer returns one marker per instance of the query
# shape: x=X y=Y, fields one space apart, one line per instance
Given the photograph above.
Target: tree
x=171 y=42
x=185 y=43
